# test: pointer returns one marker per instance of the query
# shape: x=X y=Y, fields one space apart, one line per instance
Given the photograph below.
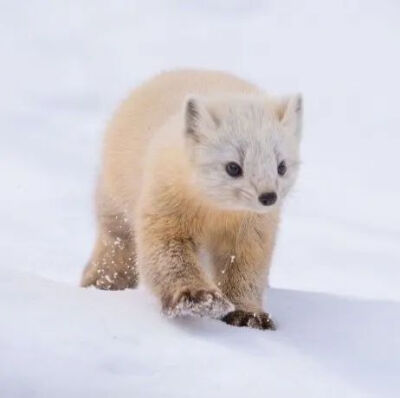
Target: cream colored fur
x=164 y=193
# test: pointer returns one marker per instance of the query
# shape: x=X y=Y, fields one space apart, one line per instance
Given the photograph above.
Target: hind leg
x=113 y=262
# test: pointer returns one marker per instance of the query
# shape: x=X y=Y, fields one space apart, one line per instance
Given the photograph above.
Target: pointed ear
x=198 y=119
x=290 y=113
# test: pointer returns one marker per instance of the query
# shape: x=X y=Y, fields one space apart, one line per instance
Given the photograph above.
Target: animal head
x=244 y=150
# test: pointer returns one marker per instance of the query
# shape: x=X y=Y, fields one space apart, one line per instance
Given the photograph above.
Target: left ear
x=199 y=118
x=290 y=113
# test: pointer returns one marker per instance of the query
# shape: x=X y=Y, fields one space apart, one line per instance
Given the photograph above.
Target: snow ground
x=335 y=281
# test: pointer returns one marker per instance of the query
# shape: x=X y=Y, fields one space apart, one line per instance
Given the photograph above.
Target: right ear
x=290 y=113
x=198 y=119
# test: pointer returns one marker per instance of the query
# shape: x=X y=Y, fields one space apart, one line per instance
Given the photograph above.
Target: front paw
x=256 y=320
x=197 y=302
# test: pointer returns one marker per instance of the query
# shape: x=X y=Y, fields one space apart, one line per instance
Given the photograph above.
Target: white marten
x=195 y=159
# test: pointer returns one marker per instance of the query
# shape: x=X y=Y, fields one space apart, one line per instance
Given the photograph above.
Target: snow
x=334 y=293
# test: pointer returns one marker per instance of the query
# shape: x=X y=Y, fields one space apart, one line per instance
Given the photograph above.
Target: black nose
x=267 y=198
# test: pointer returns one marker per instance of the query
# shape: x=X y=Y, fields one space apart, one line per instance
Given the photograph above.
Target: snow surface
x=335 y=281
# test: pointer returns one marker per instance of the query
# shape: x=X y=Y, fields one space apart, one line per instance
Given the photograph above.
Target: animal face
x=244 y=151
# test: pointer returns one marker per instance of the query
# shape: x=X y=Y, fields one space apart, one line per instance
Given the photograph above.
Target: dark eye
x=233 y=169
x=282 y=168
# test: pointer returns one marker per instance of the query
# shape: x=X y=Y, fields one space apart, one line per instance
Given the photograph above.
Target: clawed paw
x=256 y=320
x=197 y=302
x=110 y=279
